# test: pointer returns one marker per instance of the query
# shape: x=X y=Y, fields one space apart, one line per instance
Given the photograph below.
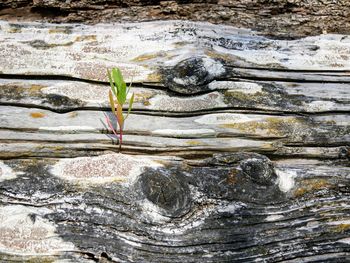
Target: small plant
x=117 y=98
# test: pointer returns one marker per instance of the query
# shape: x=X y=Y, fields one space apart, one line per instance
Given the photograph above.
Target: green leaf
x=118 y=78
x=122 y=94
x=111 y=83
x=131 y=101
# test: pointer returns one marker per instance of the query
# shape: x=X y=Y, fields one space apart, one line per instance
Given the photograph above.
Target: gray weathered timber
x=325 y=129
x=64 y=95
x=237 y=148
x=230 y=208
x=184 y=56
x=27 y=144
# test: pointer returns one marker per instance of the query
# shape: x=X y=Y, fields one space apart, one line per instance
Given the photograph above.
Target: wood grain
x=236 y=150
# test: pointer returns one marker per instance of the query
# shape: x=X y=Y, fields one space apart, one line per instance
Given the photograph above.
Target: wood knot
x=259 y=170
x=167 y=190
x=193 y=75
x=344 y=152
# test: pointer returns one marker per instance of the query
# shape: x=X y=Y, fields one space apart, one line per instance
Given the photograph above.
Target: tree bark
x=277 y=18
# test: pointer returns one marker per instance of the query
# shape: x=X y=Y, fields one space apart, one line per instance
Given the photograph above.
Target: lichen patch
x=203 y=102
x=261 y=125
x=311 y=185
x=227 y=118
x=102 y=169
x=320 y=105
x=23 y=230
x=244 y=87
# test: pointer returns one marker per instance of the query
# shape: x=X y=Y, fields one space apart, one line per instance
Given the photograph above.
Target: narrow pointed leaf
x=111 y=127
x=111 y=101
x=111 y=83
x=129 y=88
x=131 y=101
x=120 y=117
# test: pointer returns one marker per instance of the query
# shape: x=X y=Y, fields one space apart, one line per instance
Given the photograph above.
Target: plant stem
x=120 y=138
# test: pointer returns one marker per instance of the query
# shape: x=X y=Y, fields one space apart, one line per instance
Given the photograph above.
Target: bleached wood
x=63 y=95
x=148 y=51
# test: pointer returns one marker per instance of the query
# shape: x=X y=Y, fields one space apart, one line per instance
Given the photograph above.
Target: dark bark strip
x=277 y=18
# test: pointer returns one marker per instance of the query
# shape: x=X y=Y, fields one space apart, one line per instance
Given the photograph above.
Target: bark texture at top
x=278 y=18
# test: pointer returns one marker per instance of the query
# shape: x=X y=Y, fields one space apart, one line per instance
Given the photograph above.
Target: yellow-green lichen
x=341 y=228
x=273 y=126
x=143 y=97
x=72 y=114
x=244 y=97
x=215 y=55
x=311 y=185
x=60 y=30
x=14 y=30
x=86 y=38
x=154 y=77
x=145 y=57
x=194 y=143
x=35 y=89
x=146 y=103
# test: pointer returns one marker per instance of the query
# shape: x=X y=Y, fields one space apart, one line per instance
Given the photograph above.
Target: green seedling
x=117 y=98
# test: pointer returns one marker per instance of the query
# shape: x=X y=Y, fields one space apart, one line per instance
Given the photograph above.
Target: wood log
x=277 y=18
x=236 y=150
x=237 y=207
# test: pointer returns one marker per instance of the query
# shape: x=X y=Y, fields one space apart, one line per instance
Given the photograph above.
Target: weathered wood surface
x=273 y=96
x=193 y=183
x=183 y=56
x=230 y=208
